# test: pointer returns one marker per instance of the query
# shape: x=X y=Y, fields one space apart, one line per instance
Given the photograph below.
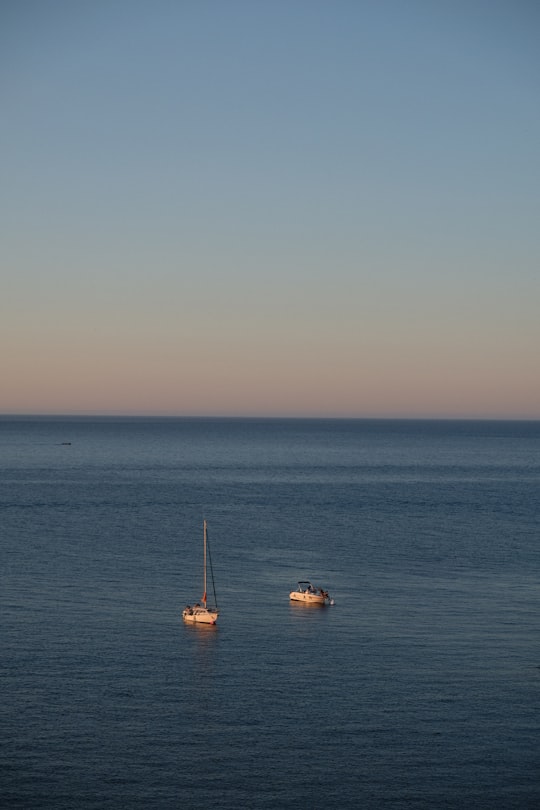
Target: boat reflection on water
x=200 y=628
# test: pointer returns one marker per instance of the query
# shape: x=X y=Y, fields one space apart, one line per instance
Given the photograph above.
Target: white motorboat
x=306 y=592
x=201 y=613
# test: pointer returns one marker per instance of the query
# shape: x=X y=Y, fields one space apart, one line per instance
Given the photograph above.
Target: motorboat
x=307 y=592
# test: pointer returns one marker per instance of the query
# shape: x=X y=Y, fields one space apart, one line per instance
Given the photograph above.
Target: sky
x=270 y=208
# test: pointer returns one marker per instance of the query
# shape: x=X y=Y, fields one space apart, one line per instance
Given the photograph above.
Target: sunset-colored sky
x=270 y=207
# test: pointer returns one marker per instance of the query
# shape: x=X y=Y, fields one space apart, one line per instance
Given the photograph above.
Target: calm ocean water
x=420 y=688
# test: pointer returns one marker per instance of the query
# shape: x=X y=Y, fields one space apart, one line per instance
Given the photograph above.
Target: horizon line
x=275 y=417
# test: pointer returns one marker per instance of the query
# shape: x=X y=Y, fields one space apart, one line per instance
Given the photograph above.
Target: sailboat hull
x=200 y=615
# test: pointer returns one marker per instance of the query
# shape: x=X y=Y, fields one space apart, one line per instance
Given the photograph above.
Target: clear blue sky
x=289 y=208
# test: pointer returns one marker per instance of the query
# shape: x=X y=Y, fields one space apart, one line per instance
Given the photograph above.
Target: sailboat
x=201 y=612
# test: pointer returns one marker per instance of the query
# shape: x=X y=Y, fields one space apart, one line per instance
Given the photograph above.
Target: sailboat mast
x=204 y=546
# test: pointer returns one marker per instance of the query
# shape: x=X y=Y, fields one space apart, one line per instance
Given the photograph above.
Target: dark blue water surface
x=420 y=688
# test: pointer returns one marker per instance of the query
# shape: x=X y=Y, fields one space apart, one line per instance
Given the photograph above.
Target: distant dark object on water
x=66 y=442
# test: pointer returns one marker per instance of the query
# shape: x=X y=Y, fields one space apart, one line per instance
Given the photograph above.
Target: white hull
x=200 y=615
x=311 y=598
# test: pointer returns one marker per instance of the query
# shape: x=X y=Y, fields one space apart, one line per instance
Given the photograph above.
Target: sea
x=418 y=689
